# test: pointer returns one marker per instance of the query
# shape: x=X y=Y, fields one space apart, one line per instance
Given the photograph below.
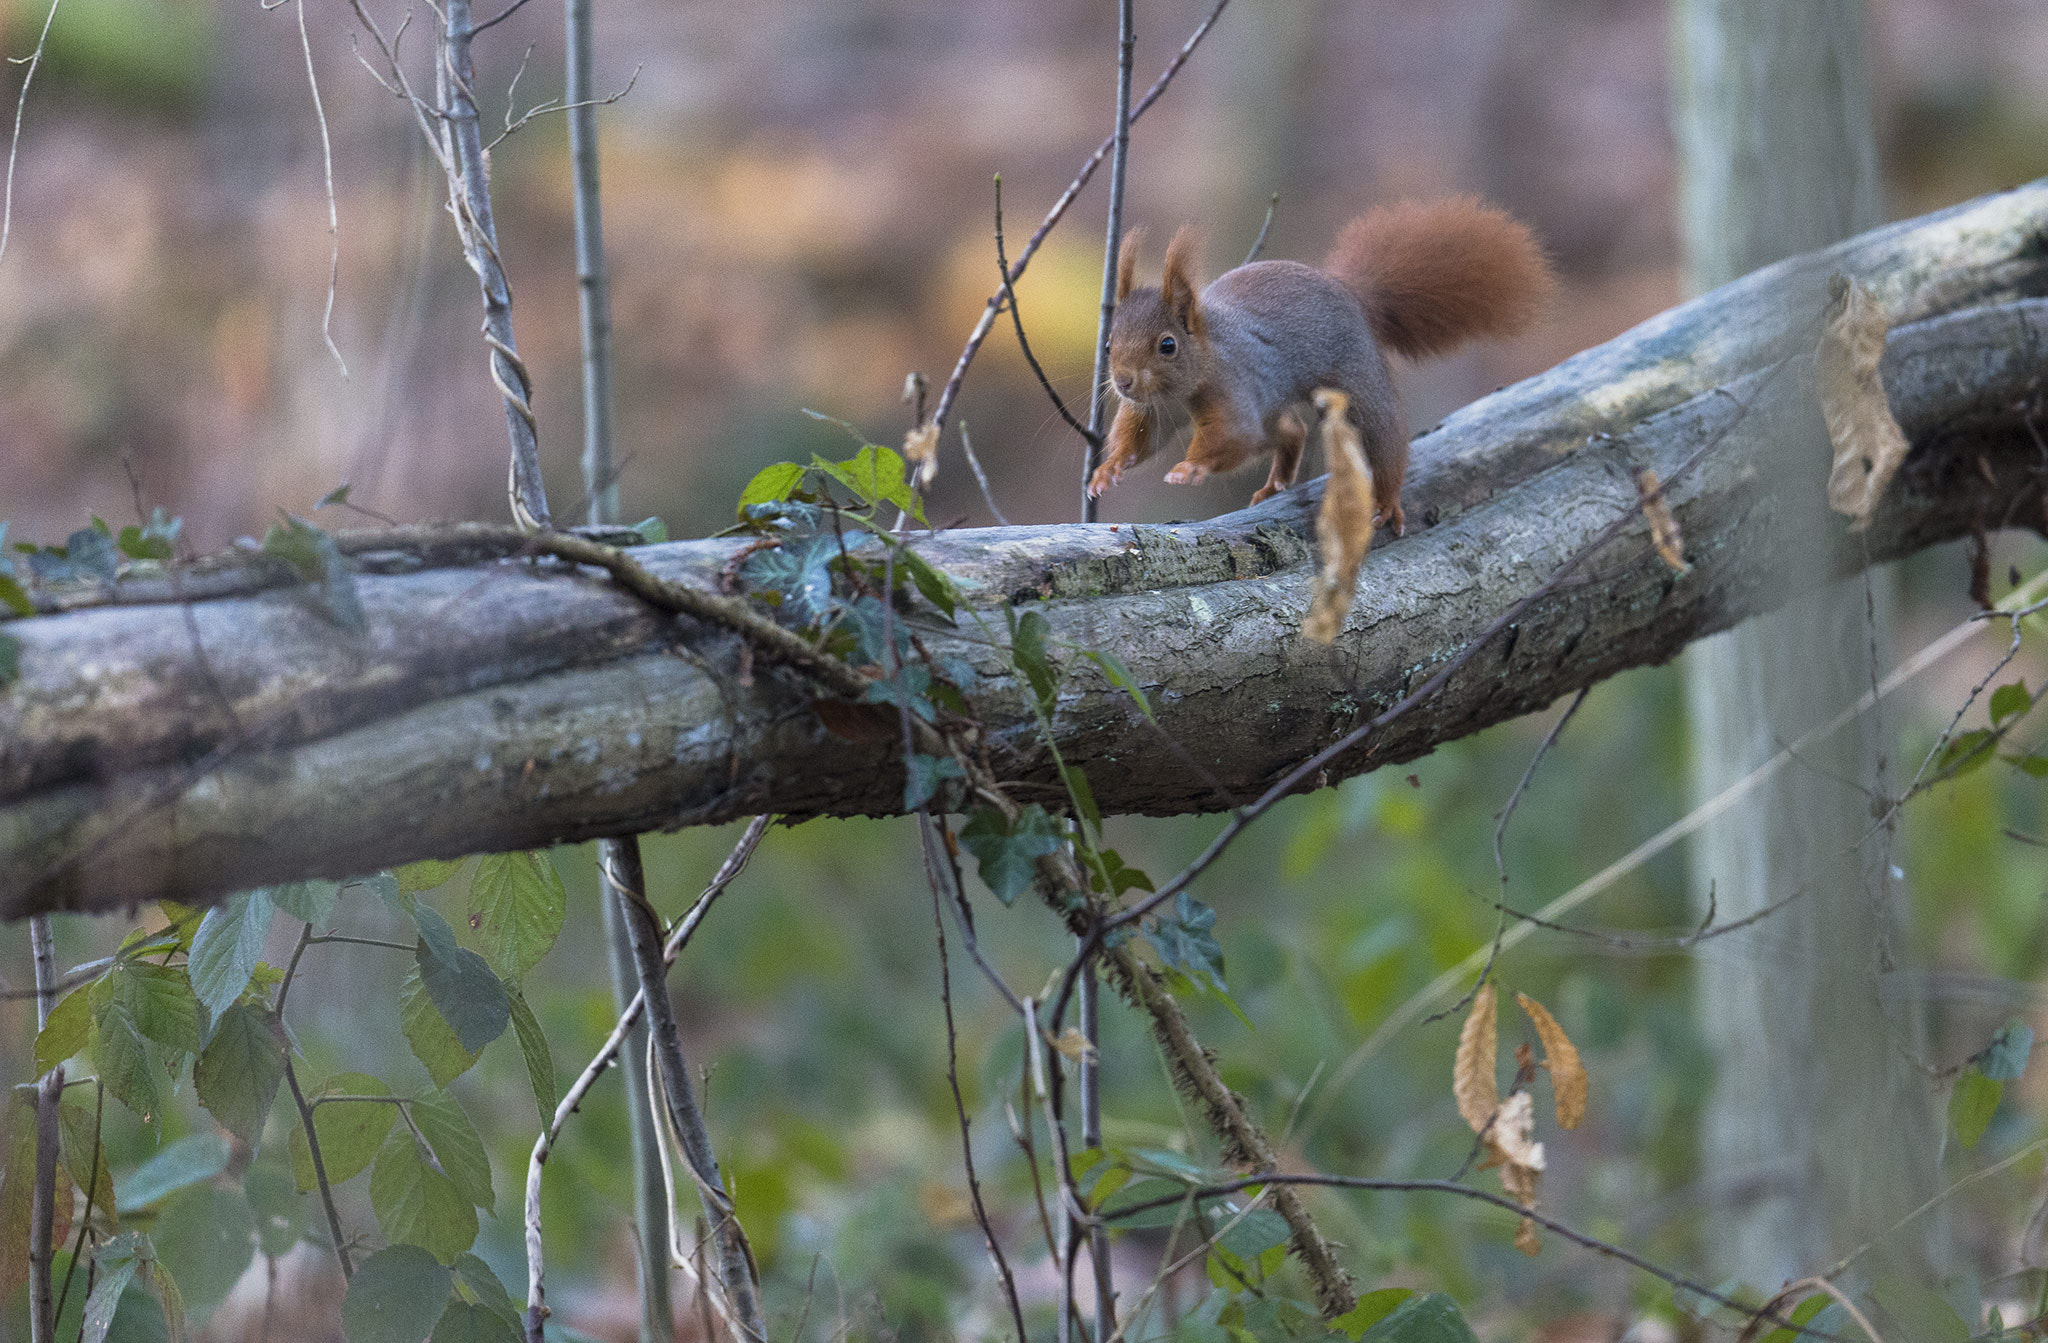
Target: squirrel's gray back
x=1283 y=329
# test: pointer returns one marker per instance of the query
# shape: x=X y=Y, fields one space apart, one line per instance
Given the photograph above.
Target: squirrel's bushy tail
x=1434 y=274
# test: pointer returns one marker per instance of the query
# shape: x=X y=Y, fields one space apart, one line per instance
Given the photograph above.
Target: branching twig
x=333 y=214
x=981 y=477
x=1098 y=385
x=1023 y=343
x=33 y=62
x=291 y=1078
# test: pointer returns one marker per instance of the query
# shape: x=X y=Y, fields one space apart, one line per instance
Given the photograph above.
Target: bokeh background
x=798 y=208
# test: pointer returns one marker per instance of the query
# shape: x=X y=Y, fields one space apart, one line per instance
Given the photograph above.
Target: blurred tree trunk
x=1777 y=156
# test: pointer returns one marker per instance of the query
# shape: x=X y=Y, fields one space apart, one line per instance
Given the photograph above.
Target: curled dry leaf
x=1511 y=1145
x=1526 y=1239
x=1868 y=443
x=1344 y=526
x=921 y=450
x=1561 y=1056
x=1663 y=527
x=1073 y=1045
x=1473 y=1079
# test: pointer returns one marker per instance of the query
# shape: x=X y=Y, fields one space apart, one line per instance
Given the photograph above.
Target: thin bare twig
x=33 y=62
x=1098 y=386
x=305 y=1109
x=981 y=477
x=333 y=214
x=1259 y=243
x=1769 y=1309
x=1023 y=342
x=951 y=391
x=49 y=1095
x=502 y=15
x=564 y=104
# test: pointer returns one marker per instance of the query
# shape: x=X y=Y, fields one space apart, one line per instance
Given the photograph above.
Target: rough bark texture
x=159 y=749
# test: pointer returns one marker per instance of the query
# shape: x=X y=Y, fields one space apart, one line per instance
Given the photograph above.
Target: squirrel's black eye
x=1167 y=345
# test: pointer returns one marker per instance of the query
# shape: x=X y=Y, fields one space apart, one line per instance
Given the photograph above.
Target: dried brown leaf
x=1869 y=445
x=1473 y=1077
x=1663 y=527
x=1513 y=1139
x=1526 y=1239
x=1344 y=526
x=1073 y=1045
x=1561 y=1056
x=921 y=450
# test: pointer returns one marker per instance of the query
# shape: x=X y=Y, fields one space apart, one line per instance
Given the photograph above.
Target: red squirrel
x=1246 y=353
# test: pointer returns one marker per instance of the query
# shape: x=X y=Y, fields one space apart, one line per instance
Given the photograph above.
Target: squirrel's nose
x=1123 y=383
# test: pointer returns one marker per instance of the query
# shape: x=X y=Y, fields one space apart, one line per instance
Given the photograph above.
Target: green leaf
x=1084 y=797
x=922 y=775
x=1121 y=876
x=17 y=1189
x=418 y=1205
x=310 y=902
x=771 y=485
x=2033 y=764
x=907 y=689
x=350 y=1132
x=1008 y=856
x=114 y=1268
x=1028 y=651
x=875 y=474
x=10 y=659
x=653 y=531
x=122 y=1060
x=238 y=1074
x=456 y=1145
x=158 y=1001
x=931 y=584
x=312 y=553
x=79 y=1146
x=1964 y=754
x=461 y=984
x=431 y=1037
x=427 y=874
x=14 y=597
x=464 y=1323
x=1922 y=1314
x=2009 y=701
x=1251 y=1235
x=1802 y=1315
x=337 y=495
x=2005 y=1058
x=1118 y=675
x=1370 y=1310
x=227 y=946
x=1972 y=1103
x=1187 y=941
x=154 y=540
x=176 y=1166
x=483 y=1284
x=516 y=907
x=540 y=1060
x=68 y=1031
x=278 y=1206
x=142 y=1318
x=1432 y=1318
x=395 y=1296
x=206 y=1237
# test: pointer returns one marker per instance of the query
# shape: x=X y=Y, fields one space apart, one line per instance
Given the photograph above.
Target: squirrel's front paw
x=1187 y=473
x=1106 y=475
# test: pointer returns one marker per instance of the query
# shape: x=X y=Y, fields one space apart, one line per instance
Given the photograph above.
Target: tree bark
x=158 y=749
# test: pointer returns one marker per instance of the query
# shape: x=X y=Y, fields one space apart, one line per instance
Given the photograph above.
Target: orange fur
x=1435 y=274
x=1127 y=263
x=1179 y=287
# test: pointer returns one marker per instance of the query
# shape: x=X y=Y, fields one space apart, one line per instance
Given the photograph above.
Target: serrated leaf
x=1372 y=1307
x=490 y=1293
x=114 y=1267
x=206 y=1237
x=427 y=874
x=227 y=946
x=310 y=902
x=456 y=1146
x=350 y=1132
x=2005 y=1058
x=1028 y=651
x=395 y=1296
x=238 y=1074
x=1802 y=1315
x=463 y=987
x=122 y=1061
x=464 y=1323
x=1432 y=1318
x=1972 y=1103
x=540 y=1060
x=418 y=1205
x=157 y=999
x=516 y=908
x=1475 y=1076
x=175 y=1166
x=66 y=1033
x=771 y=485
x=1567 y=1070
x=432 y=1039
x=84 y=1156
x=2009 y=701
x=1008 y=856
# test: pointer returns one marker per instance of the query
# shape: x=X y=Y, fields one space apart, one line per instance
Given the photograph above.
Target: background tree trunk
x=1777 y=157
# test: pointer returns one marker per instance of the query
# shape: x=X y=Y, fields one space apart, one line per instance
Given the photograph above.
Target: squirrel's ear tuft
x=1127 y=262
x=1178 y=288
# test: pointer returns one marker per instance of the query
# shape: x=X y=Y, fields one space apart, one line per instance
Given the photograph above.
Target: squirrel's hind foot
x=1187 y=473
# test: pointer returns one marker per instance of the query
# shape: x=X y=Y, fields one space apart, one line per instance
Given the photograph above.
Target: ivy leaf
x=461 y=984
x=91 y=554
x=456 y=1146
x=2005 y=1058
x=1972 y=1104
x=799 y=572
x=66 y=1033
x=395 y=1296
x=418 y=1205
x=2009 y=701
x=432 y=1039
x=227 y=946
x=1118 y=675
x=540 y=1060
x=350 y=1132
x=310 y=902
x=516 y=908
x=1121 y=877
x=907 y=689
x=1008 y=855
x=206 y=1237
x=922 y=776
x=313 y=555
x=1187 y=943
x=176 y=1166
x=1027 y=649
x=154 y=540
x=771 y=485
x=238 y=1074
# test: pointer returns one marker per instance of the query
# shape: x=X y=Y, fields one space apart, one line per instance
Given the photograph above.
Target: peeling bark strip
x=516 y=703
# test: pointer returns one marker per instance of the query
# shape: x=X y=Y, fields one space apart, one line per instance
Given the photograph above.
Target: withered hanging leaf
x=1526 y=1239
x=1473 y=1079
x=921 y=450
x=1869 y=445
x=1511 y=1145
x=1561 y=1056
x=1344 y=526
x=1663 y=527
x=1072 y=1045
